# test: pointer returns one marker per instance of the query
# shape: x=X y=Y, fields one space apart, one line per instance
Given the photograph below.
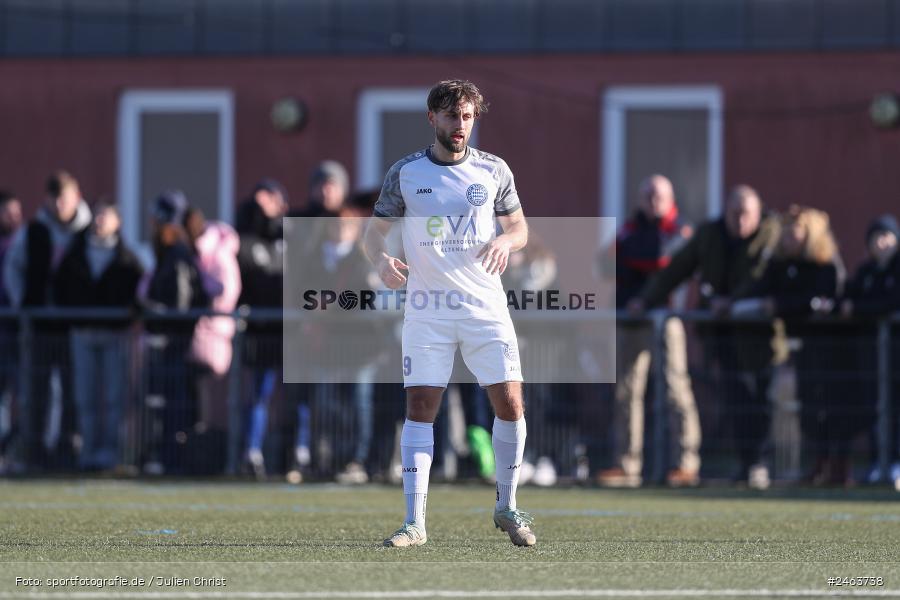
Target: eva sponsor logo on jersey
x=439 y=227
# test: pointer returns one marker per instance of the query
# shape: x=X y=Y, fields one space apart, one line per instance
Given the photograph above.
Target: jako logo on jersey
x=410 y=470
x=476 y=194
x=513 y=467
x=423 y=191
x=435 y=226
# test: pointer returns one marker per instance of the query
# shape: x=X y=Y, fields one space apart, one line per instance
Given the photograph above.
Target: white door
x=675 y=131
x=174 y=139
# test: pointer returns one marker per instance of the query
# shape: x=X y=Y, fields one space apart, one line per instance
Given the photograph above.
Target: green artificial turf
x=309 y=539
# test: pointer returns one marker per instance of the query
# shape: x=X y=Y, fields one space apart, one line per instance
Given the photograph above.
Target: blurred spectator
x=645 y=245
x=10 y=223
x=364 y=201
x=99 y=271
x=329 y=186
x=729 y=254
x=803 y=279
x=261 y=253
x=259 y=216
x=31 y=260
x=336 y=260
x=261 y=260
x=35 y=254
x=216 y=246
x=175 y=284
x=874 y=291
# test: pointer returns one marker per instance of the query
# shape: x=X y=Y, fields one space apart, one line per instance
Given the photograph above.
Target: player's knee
x=422 y=404
x=510 y=412
x=507 y=401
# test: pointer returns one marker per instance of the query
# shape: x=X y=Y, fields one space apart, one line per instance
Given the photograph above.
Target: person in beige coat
x=644 y=246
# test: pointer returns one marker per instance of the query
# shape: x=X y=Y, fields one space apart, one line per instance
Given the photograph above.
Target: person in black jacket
x=99 y=271
x=729 y=254
x=36 y=250
x=175 y=282
x=261 y=260
x=873 y=292
x=30 y=263
x=10 y=224
x=803 y=281
x=173 y=286
x=261 y=255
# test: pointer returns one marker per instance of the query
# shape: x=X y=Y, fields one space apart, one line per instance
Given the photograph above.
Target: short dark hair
x=451 y=92
x=741 y=191
x=59 y=181
x=105 y=203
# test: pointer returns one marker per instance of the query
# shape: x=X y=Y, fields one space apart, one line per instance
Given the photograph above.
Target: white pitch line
x=683 y=593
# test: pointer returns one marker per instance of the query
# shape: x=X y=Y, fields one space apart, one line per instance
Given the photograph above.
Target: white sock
x=416 y=452
x=415 y=509
x=508 y=440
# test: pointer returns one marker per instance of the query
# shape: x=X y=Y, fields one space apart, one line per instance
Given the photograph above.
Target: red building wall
x=796 y=125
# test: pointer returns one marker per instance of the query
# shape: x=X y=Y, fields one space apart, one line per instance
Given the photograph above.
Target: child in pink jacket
x=216 y=245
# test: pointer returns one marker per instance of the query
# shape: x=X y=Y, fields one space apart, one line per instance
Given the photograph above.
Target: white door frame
x=373 y=102
x=617 y=100
x=132 y=105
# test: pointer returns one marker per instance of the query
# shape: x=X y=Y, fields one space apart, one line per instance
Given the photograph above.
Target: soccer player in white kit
x=449 y=195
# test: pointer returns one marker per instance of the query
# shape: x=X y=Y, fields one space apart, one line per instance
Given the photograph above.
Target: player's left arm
x=495 y=254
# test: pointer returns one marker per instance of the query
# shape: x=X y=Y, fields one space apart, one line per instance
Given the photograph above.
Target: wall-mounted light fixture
x=288 y=114
x=885 y=110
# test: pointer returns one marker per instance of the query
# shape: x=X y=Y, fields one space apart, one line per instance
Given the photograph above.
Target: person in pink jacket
x=215 y=245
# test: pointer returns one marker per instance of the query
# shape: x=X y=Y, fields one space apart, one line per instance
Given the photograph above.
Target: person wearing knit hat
x=174 y=284
x=874 y=292
x=169 y=207
x=330 y=170
x=329 y=186
x=875 y=288
x=881 y=225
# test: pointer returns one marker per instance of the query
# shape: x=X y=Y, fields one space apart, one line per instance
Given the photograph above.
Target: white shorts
x=488 y=347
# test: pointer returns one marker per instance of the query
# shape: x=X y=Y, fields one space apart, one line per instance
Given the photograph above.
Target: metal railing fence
x=44 y=354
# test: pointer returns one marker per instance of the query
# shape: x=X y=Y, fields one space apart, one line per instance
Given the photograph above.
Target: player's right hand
x=389 y=271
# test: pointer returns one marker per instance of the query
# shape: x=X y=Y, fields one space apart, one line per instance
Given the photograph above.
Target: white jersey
x=448 y=216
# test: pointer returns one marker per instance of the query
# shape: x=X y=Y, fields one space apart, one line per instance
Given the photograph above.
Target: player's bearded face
x=453 y=126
